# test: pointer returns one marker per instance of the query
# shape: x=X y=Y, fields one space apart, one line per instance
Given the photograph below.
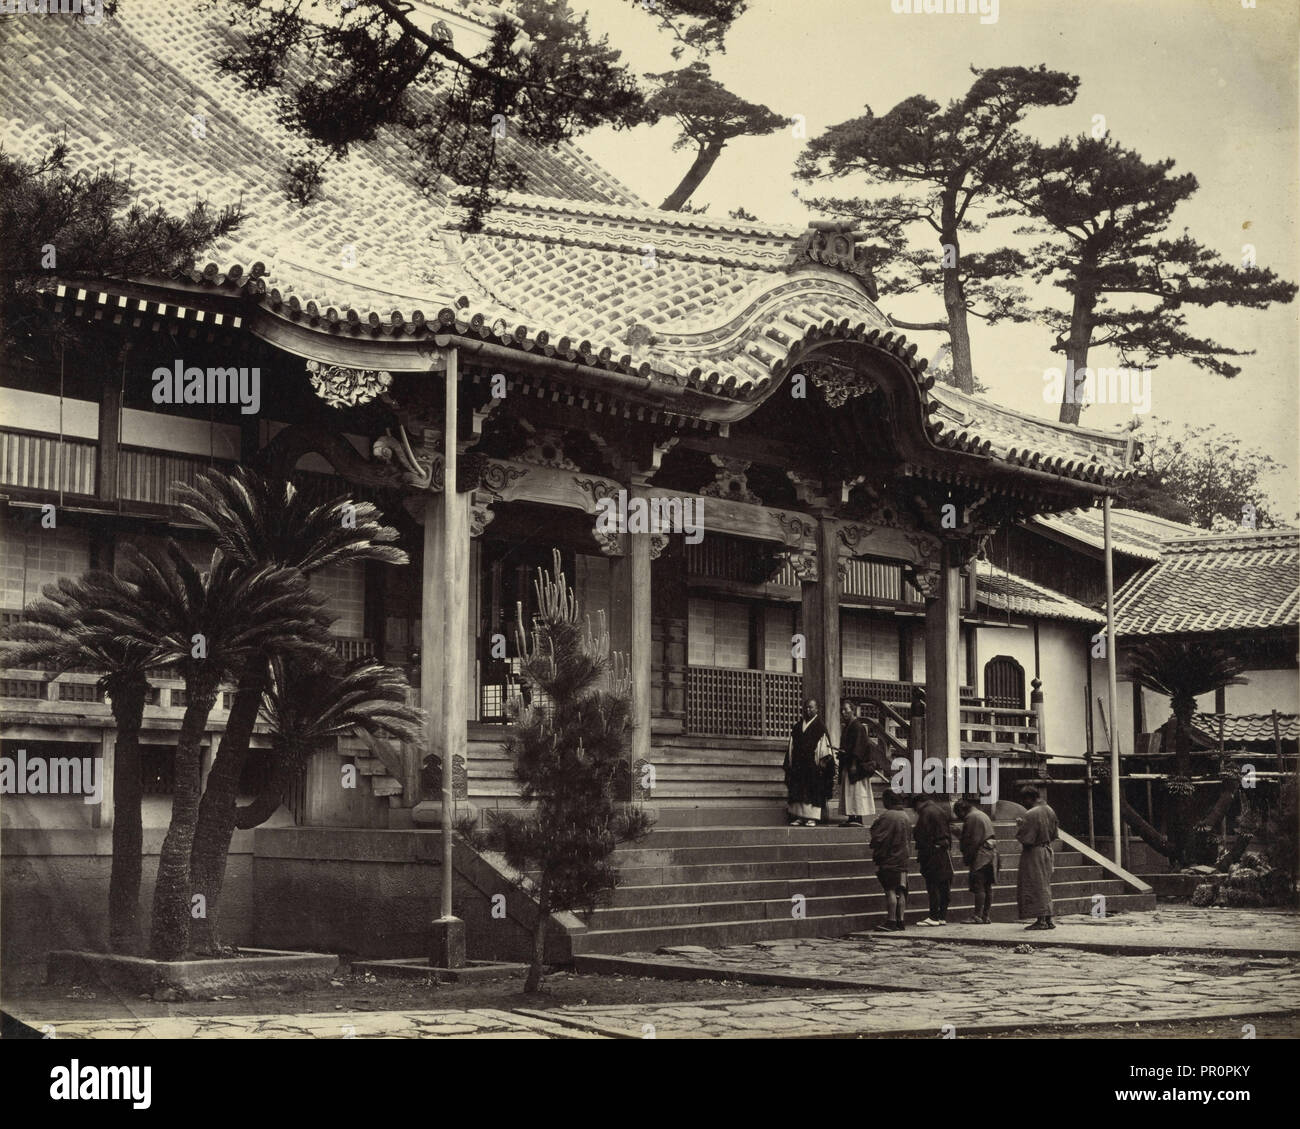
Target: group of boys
x=810 y=768
x=1036 y=830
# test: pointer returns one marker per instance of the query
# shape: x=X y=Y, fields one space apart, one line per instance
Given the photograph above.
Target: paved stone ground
x=476 y=1023
x=1170 y=926
x=943 y=985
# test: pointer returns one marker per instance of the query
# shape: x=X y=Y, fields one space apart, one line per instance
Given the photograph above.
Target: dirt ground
x=368 y=994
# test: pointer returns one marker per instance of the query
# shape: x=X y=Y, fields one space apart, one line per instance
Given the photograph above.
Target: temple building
x=823 y=508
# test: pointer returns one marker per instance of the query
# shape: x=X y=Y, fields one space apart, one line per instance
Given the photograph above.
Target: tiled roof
x=1247 y=580
x=1133 y=533
x=718 y=310
x=1002 y=592
x=125 y=91
x=1247 y=727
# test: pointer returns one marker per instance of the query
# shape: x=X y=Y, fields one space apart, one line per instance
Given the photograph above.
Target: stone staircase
x=728 y=885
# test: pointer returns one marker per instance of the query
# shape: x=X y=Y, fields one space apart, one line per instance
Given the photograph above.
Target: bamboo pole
x=1112 y=689
x=449 y=712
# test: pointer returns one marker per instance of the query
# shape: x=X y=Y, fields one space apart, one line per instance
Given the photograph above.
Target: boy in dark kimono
x=979 y=850
x=933 y=837
x=1037 y=830
x=889 y=850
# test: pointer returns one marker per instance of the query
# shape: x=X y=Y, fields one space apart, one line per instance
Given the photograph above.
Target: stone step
x=765 y=836
x=718 y=934
x=838 y=905
x=813 y=866
x=848 y=844
x=864 y=882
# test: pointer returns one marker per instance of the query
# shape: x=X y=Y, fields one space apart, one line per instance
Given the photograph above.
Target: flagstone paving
x=476 y=1023
x=942 y=985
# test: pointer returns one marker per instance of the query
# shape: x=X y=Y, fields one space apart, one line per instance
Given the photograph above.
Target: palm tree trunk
x=216 y=818
x=534 y=980
x=128 y=699
x=705 y=159
x=267 y=801
x=170 y=927
x=1148 y=834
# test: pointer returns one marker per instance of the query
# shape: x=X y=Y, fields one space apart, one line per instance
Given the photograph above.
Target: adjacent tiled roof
x=1002 y=592
x=1247 y=580
x=580 y=270
x=1133 y=533
x=1247 y=727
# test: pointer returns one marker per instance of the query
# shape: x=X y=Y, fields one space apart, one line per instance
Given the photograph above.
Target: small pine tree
x=568 y=748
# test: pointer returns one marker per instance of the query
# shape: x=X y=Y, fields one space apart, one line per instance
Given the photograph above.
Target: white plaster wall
x=36 y=411
x=1063 y=669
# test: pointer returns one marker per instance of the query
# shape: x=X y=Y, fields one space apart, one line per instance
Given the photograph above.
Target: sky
x=1211 y=84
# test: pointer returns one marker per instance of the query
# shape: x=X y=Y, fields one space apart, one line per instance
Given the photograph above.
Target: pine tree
x=568 y=747
x=946 y=160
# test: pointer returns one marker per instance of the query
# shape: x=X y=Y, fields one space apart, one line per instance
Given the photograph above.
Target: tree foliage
x=345 y=71
x=1201 y=476
x=708 y=116
x=65 y=224
x=568 y=748
x=1130 y=284
x=1182 y=670
x=948 y=160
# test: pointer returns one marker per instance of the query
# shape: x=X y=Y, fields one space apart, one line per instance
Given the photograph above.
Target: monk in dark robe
x=807 y=758
x=1037 y=830
x=979 y=849
x=933 y=837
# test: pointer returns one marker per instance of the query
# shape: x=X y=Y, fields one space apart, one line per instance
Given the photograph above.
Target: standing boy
x=933 y=838
x=979 y=850
x=889 y=850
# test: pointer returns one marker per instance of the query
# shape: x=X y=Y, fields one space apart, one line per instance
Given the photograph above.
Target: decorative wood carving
x=838 y=383
x=730 y=482
x=343 y=387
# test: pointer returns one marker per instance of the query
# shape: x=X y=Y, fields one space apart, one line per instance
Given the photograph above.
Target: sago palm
x=310 y=705
x=1183 y=670
x=259 y=523
x=100 y=624
x=211 y=624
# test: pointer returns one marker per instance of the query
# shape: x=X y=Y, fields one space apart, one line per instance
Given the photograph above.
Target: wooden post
x=942 y=657
x=449 y=932
x=110 y=428
x=1277 y=741
x=630 y=628
x=1040 y=714
x=821 y=624
x=1087 y=759
x=1111 y=686
x=102 y=815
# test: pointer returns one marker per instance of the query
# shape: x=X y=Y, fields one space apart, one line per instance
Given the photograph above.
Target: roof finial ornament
x=833 y=243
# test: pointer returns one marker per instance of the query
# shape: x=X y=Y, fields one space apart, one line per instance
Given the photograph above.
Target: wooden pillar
x=822 y=677
x=444 y=632
x=630 y=628
x=110 y=427
x=942 y=663
x=102 y=814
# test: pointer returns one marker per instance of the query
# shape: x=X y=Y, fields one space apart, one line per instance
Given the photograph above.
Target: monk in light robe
x=979 y=849
x=855 y=768
x=806 y=758
x=1037 y=830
